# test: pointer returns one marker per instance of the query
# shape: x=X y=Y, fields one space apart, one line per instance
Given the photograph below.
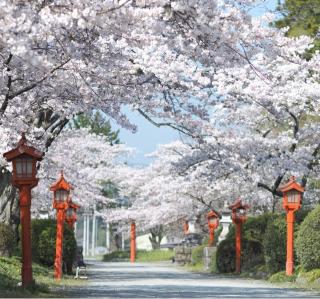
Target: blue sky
x=148 y=137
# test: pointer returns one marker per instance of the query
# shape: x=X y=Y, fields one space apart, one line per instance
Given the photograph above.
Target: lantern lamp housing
x=61 y=195
x=24 y=163
x=213 y=219
x=61 y=190
x=239 y=211
x=69 y=212
x=292 y=195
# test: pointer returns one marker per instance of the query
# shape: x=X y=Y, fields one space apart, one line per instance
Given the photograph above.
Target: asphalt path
x=164 y=280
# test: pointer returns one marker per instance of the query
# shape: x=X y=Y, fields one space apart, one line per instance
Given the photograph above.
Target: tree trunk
x=156 y=236
x=9 y=203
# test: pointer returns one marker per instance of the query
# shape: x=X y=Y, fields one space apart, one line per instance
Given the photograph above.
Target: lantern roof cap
x=23 y=148
x=291 y=185
x=72 y=205
x=213 y=213
x=61 y=183
x=238 y=205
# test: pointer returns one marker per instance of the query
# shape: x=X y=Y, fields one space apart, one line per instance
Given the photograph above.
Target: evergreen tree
x=302 y=17
x=97 y=124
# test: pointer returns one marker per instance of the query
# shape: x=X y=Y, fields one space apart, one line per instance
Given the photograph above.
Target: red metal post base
x=290 y=244
x=59 y=242
x=238 y=247
x=133 y=243
x=211 y=237
x=25 y=218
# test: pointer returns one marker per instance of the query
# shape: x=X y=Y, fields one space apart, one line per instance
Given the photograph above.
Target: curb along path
x=163 y=280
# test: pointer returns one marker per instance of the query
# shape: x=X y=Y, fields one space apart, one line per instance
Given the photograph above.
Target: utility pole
x=88 y=234
x=93 y=239
x=84 y=242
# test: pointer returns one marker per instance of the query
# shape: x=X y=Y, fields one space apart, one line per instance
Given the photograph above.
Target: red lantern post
x=61 y=190
x=213 y=223
x=24 y=159
x=292 y=194
x=238 y=217
x=71 y=213
x=133 y=242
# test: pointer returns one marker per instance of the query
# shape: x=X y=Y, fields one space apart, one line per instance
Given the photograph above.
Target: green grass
x=300 y=279
x=116 y=256
x=282 y=277
x=141 y=256
x=198 y=267
x=10 y=276
x=154 y=255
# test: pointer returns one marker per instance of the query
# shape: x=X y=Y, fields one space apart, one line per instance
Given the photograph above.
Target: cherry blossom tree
x=242 y=91
x=85 y=166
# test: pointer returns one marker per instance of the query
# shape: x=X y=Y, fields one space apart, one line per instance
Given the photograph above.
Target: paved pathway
x=163 y=280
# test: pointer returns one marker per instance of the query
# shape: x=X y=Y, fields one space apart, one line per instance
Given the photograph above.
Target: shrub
x=311 y=276
x=197 y=254
x=69 y=248
x=37 y=227
x=253 y=231
x=263 y=243
x=45 y=244
x=274 y=244
x=226 y=256
x=7 y=240
x=213 y=265
x=308 y=241
x=282 y=277
x=251 y=255
x=255 y=227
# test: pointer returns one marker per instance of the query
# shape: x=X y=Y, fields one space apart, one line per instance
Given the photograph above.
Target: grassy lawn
x=155 y=255
x=141 y=256
x=198 y=267
x=10 y=269
x=300 y=279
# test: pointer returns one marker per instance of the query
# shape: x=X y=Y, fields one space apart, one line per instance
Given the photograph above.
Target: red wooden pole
x=290 y=246
x=59 y=242
x=25 y=217
x=211 y=236
x=133 y=243
x=238 y=247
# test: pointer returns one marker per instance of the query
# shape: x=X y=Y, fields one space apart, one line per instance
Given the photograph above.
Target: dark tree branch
x=265 y=186
x=312 y=163
x=295 y=130
x=166 y=124
x=9 y=83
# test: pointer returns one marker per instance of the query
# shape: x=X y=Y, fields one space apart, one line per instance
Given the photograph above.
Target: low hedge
x=197 y=254
x=274 y=244
x=251 y=255
x=308 y=241
x=44 y=243
x=262 y=244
